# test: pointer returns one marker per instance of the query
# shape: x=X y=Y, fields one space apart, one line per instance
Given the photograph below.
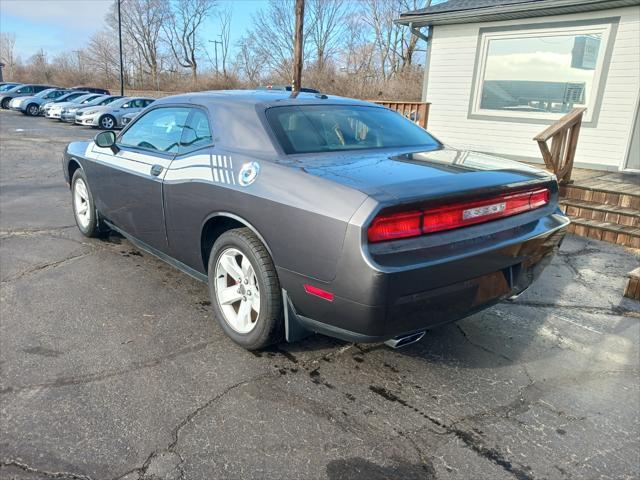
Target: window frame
x=607 y=27
x=190 y=107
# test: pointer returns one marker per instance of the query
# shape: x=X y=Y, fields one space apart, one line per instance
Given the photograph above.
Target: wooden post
x=297 y=48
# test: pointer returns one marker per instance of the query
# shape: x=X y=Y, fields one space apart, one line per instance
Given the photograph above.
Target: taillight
x=447 y=217
x=395 y=225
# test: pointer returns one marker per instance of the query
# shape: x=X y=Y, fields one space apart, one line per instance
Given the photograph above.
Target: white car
x=69 y=112
x=109 y=116
x=67 y=97
x=55 y=111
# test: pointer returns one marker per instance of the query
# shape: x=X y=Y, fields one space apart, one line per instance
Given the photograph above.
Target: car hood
x=415 y=175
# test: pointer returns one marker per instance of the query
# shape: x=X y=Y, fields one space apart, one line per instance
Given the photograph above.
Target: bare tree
x=272 y=35
x=142 y=22
x=224 y=17
x=7 y=52
x=102 y=56
x=248 y=62
x=327 y=27
x=182 y=29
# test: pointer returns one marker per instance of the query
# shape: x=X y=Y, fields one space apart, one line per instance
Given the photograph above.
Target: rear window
x=335 y=128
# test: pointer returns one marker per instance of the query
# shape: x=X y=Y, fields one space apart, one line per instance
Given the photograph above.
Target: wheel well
x=73 y=166
x=215 y=227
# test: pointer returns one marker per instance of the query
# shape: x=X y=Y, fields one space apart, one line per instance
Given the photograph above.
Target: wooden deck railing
x=564 y=134
x=417 y=112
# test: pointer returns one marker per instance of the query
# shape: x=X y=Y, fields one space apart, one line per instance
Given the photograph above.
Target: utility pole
x=297 y=48
x=215 y=46
x=120 y=43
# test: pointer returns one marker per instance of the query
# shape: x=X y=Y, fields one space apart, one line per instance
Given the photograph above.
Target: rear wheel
x=245 y=291
x=5 y=103
x=107 y=122
x=32 y=109
x=84 y=209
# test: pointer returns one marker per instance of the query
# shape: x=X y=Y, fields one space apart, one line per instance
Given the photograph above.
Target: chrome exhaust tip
x=404 y=340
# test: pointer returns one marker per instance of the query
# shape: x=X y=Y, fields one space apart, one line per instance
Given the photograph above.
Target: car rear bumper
x=414 y=299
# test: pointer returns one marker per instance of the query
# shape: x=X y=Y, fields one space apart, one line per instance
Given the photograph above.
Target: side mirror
x=105 y=139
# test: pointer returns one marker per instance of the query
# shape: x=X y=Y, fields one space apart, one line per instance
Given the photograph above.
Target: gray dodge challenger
x=313 y=213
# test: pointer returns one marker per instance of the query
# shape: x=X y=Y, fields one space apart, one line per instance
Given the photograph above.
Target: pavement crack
x=96 y=377
x=470 y=439
x=482 y=347
x=44 y=266
x=44 y=473
x=22 y=232
x=616 y=311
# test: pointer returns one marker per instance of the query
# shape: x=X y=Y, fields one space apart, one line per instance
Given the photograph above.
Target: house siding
x=449 y=81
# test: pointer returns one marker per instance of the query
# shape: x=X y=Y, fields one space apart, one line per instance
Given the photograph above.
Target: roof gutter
x=512 y=11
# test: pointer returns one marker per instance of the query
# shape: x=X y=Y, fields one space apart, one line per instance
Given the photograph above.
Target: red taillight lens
x=448 y=217
x=395 y=225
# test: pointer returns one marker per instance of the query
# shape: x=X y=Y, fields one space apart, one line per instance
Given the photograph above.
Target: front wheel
x=5 y=103
x=33 y=110
x=107 y=122
x=245 y=291
x=84 y=209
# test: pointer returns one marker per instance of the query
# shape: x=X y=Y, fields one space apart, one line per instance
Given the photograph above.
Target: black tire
x=269 y=325
x=32 y=109
x=93 y=227
x=5 y=103
x=107 y=122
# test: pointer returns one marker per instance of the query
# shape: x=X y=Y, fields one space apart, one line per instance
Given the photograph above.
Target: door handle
x=156 y=170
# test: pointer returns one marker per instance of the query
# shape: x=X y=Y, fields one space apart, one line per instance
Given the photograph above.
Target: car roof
x=263 y=98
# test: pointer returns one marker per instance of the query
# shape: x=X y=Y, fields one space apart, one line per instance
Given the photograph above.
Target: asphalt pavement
x=112 y=366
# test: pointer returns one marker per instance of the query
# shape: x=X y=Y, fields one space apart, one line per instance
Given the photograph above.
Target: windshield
x=4 y=88
x=84 y=98
x=15 y=88
x=336 y=128
x=107 y=101
x=44 y=93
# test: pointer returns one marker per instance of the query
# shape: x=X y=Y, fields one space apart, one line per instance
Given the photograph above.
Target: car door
x=186 y=188
x=130 y=192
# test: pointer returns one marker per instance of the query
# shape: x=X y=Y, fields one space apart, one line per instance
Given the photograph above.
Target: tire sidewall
x=91 y=229
x=261 y=330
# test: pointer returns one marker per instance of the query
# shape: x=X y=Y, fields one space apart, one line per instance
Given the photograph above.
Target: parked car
x=126 y=119
x=317 y=214
x=67 y=97
x=110 y=116
x=20 y=91
x=31 y=105
x=69 y=113
x=102 y=91
x=4 y=86
x=55 y=112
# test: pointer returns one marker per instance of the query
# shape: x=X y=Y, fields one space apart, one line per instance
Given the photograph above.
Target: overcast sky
x=59 y=25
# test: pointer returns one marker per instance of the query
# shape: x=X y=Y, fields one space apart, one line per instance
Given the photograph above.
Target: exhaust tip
x=404 y=340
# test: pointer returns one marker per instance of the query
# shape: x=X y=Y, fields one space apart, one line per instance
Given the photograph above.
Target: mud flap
x=294 y=330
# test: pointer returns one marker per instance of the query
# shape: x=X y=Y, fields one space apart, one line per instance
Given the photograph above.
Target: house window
x=540 y=73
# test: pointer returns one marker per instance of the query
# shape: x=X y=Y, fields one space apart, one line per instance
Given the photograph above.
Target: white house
x=499 y=71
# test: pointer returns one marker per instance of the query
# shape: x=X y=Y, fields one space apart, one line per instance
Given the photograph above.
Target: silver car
x=25 y=90
x=31 y=105
x=126 y=119
x=110 y=116
x=69 y=113
x=56 y=109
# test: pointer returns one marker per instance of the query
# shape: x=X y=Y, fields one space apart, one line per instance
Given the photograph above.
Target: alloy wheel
x=81 y=203
x=237 y=290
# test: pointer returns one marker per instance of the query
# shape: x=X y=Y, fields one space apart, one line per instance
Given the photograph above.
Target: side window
x=159 y=129
x=196 y=132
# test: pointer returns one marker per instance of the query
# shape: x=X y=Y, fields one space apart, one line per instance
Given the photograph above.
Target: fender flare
x=241 y=220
